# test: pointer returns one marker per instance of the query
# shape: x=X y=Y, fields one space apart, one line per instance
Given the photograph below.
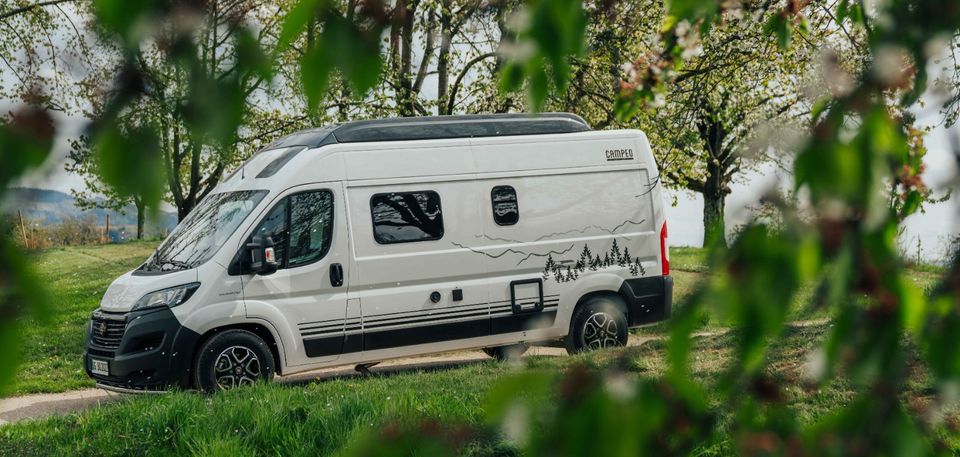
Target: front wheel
x=231 y=359
x=598 y=323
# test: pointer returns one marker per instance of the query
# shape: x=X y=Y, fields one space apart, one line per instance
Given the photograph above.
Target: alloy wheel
x=600 y=331
x=236 y=366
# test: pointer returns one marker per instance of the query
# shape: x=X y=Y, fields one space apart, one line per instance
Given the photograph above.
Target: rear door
x=307 y=225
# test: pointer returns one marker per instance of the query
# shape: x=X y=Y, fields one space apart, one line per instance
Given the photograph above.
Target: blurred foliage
x=859 y=148
x=25 y=141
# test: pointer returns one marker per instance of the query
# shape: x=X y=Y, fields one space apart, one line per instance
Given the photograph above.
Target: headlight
x=167 y=297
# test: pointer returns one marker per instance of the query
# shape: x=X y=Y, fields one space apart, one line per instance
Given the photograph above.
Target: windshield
x=204 y=230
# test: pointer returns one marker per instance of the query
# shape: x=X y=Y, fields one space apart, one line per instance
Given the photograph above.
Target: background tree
x=96 y=193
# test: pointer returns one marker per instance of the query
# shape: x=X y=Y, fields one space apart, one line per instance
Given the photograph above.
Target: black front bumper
x=649 y=299
x=153 y=352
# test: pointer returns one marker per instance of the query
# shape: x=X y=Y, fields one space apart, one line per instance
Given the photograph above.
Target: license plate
x=101 y=367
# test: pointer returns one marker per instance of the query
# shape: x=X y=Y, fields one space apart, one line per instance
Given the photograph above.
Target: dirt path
x=37 y=406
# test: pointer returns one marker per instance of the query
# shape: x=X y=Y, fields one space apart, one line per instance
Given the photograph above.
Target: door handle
x=336 y=275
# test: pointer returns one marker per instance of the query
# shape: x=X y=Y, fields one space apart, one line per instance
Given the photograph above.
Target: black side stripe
x=332 y=323
x=328 y=321
x=455 y=331
x=425 y=319
x=335 y=324
x=336 y=330
x=423 y=334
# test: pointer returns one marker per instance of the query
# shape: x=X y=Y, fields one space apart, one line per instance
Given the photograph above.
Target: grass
x=326 y=417
x=77 y=278
x=329 y=416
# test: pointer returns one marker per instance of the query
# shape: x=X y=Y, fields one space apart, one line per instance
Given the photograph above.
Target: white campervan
x=372 y=240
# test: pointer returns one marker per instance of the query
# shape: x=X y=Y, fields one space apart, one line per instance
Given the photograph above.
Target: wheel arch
x=619 y=301
x=260 y=329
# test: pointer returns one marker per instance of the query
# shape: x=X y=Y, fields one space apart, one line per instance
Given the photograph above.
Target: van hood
x=127 y=289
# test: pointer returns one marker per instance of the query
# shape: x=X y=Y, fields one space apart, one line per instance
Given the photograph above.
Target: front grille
x=101 y=353
x=107 y=332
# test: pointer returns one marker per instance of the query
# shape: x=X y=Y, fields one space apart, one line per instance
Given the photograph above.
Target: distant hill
x=51 y=207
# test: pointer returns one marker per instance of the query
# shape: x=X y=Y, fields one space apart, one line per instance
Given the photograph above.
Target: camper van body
x=392 y=248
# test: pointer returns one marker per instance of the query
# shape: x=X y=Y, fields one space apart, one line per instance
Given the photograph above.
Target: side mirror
x=263 y=258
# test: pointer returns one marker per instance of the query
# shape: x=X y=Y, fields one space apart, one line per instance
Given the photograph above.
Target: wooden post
x=106 y=237
x=23 y=231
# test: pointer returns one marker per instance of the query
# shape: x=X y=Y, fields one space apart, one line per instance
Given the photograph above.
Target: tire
x=507 y=353
x=224 y=361
x=597 y=323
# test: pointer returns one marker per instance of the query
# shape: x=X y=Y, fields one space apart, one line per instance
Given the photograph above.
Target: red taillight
x=664 y=253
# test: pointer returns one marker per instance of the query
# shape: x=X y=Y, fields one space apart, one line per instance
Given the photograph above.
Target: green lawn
x=322 y=418
x=77 y=278
x=325 y=417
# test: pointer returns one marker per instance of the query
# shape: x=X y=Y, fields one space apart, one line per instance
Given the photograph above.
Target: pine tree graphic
x=615 y=255
x=586 y=255
x=557 y=273
x=625 y=259
x=606 y=260
x=595 y=263
x=580 y=266
x=548 y=267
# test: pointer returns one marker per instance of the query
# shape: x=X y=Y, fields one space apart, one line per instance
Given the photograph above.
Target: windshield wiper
x=156 y=264
x=175 y=263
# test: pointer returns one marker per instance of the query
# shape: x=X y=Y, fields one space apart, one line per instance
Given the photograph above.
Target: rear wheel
x=599 y=323
x=507 y=353
x=231 y=359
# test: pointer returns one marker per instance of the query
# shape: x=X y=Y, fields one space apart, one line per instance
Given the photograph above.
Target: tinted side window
x=505 y=208
x=301 y=227
x=275 y=226
x=402 y=217
x=311 y=227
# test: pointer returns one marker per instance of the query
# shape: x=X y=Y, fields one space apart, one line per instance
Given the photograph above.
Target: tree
x=728 y=110
x=42 y=49
x=194 y=164
x=97 y=193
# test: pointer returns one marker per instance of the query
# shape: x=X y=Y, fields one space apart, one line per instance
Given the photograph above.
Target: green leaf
x=780 y=26
x=126 y=18
x=912 y=203
x=250 y=56
x=691 y=10
x=315 y=67
x=820 y=105
x=131 y=162
x=345 y=47
x=914 y=307
x=555 y=33
x=297 y=20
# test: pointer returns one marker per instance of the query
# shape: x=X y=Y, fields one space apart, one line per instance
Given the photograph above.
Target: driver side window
x=301 y=227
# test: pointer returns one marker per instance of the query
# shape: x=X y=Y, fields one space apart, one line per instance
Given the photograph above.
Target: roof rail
x=436 y=127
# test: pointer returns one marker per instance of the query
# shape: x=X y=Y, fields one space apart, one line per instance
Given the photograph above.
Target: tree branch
x=26 y=8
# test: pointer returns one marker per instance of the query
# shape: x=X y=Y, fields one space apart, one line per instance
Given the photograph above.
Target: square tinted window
x=505 y=208
x=301 y=227
x=402 y=217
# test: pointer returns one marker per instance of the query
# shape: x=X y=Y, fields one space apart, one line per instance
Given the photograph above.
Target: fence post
x=106 y=237
x=23 y=231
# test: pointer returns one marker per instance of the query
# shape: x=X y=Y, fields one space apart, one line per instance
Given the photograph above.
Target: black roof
x=436 y=127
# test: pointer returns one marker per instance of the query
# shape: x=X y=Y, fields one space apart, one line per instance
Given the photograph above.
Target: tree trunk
x=714 y=199
x=443 y=58
x=140 y=217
